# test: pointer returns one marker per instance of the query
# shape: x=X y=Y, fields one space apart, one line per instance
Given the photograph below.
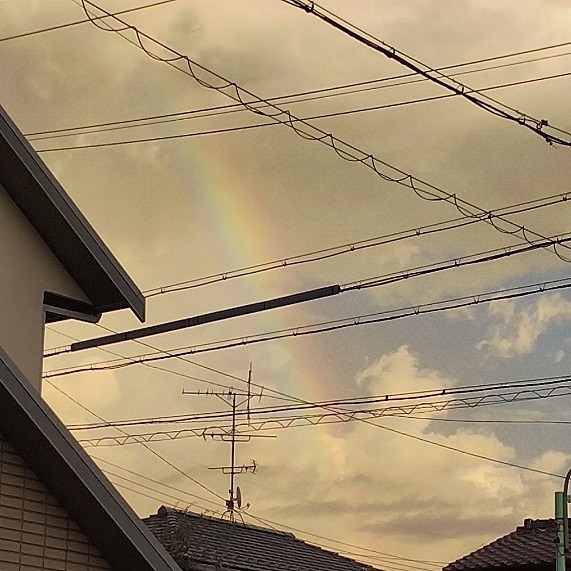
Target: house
x=57 y=509
x=531 y=547
x=207 y=544
x=54 y=266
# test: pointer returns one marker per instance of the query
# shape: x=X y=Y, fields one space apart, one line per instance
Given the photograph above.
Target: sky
x=191 y=203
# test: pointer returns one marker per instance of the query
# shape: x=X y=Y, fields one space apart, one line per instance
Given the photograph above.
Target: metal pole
x=560 y=505
x=224 y=314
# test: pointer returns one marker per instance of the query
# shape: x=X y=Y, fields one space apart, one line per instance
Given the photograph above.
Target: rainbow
x=246 y=232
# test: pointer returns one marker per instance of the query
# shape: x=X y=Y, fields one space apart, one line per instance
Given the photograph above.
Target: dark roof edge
x=73 y=217
x=66 y=470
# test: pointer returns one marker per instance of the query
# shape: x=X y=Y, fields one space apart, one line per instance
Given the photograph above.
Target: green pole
x=559 y=517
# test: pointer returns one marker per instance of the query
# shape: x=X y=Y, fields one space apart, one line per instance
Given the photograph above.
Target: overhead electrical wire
x=299 y=97
x=192 y=503
x=283 y=526
x=464 y=452
x=310 y=295
x=306 y=130
x=84 y=21
x=351 y=247
x=304 y=119
x=146 y=446
x=257 y=423
x=336 y=150
x=254 y=412
x=327 y=326
x=113 y=478
x=268 y=392
x=394 y=431
x=490 y=421
x=374 y=554
x=368 y=422
x=164 y=370
x=538 y=126
x=390 y=564
x=191 y=362
x=443 y=446
x=119 y=355
x=153 y=481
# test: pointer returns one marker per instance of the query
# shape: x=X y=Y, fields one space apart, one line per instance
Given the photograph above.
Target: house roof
x=36 y=192
x=73 y=479
x=530 y=546
x=238 y=546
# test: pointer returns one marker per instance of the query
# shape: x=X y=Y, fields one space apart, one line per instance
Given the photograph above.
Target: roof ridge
x=529 y=544
x=166 y=511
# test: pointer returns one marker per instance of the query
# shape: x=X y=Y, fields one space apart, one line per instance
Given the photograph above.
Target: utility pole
x=560 y=517
x=562 y=523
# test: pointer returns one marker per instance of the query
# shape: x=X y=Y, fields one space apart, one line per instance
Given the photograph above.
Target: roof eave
x=72 y=477
x=62 y=226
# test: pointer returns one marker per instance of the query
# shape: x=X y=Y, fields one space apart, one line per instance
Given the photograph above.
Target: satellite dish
x=238 y=497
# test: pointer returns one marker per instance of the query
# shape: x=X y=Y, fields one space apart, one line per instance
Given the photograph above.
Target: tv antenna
x=231 y=396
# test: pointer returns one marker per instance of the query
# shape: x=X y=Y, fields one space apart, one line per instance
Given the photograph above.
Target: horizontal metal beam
x=207 y=318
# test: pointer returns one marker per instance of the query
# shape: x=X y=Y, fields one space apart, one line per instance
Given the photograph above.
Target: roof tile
x=235 y=545
x=532 y=543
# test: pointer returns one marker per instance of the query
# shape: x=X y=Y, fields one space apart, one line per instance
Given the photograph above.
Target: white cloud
x=372 y=481
x=518 y=328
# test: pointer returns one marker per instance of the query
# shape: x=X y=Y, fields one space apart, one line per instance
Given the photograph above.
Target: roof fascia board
x=58 y=307
x=68 y=213
x=72 y=477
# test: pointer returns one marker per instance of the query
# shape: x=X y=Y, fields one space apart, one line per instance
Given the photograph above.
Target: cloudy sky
x=207 y=196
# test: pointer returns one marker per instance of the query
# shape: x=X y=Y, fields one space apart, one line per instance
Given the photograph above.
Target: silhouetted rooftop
x=531 y=547
x=235 y=545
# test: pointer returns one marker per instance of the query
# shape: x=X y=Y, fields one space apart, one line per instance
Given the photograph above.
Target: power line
x=366 y=421
x=391 y=558
x=390 y=564
x=151 y=480
x=349 y=248
x=84 y=21
x=306 y=130
x=307 y=533
x=146 y=446
x=490 y=421
x=538 y=126
x=310 y=295
x=401 y=433
x=162 y=369
x=461 y=261
x=258 y=125
x=299 y=97
x=185 y=360
x=464 y=452
x=257 y=412
x=156 y=367
x=335 y=416
x=263 y=389
x=328 y=326
x=184 y=492
x=247 y=309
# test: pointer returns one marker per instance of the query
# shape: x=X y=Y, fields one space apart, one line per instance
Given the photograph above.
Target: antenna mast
x=234 y=501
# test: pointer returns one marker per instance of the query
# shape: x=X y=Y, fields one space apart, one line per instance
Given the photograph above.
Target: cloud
x=397 y=372
x=380 y=484
x=177 y=210
x=518 y=328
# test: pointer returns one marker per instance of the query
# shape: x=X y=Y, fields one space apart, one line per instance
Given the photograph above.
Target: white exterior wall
x=28 y=268
x=35 y=531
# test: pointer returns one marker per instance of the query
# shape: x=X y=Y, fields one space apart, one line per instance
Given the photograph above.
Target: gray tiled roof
x=531 y=545
x=234 y=545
